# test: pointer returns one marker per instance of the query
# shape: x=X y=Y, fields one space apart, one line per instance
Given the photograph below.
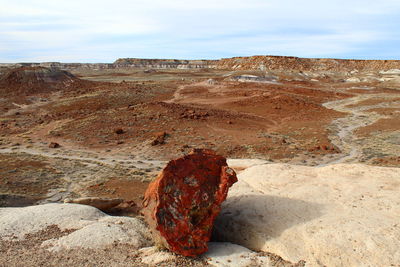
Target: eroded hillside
x=115 y=126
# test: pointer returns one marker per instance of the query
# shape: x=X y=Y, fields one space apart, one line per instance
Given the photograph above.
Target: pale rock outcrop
x=245 y=163
x=104 y=204
x=224 y=254
x=337 y=215
x=353 y=80
x=220 y=254
x=93 y=228
x=390 y=72
x=153 y=255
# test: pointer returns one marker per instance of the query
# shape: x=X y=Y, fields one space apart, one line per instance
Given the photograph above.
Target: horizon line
x=204 y=59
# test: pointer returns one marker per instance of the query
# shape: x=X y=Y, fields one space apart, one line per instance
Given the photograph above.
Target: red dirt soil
x=274 y=121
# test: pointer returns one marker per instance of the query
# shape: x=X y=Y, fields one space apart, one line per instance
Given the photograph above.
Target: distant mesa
x=261 y=63
x=165 y=63
x=31 y=80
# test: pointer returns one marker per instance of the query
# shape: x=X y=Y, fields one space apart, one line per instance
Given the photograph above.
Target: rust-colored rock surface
x=160 y=139
x=181 y=205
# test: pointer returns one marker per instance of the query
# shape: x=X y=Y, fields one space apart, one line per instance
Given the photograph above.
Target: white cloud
x=103 y=30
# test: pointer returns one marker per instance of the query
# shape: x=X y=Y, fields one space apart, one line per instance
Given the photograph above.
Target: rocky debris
x=387 y=161
x=89 y=227
x=254 y=78
x=153 y=255
x=149 y=71
x=390 y=72
x=181 y=204
x=211 y=82
x=54 y=145
x=119 y=131
x=287 y=64
x=159 y=139
x=326 y=147
x=337 y=215
x=353 y=80
x=104 y=204
x=126 y=208
x=192 y=114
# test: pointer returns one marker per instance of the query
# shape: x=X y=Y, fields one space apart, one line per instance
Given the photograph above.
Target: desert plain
x=315 y=144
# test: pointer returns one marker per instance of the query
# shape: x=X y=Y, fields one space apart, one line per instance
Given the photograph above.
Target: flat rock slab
x=92 y=228
x=180 y=206
x=104 y=204
x=337 y=215
x=225 y=254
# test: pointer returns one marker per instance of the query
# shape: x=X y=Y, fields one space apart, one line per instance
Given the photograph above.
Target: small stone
x=119 y=131
x=54 y=145
x=160 y=139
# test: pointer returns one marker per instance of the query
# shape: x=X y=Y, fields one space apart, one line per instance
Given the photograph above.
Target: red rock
x=119 y=131
x=160 y=139
x=181 y=205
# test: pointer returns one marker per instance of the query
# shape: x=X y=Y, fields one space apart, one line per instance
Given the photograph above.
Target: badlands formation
x=315 y=144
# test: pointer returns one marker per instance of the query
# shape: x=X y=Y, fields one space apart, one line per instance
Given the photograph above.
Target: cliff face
x=70 y=66
x=278 y=63
x=125 y=63
x=165 y=63
x=305 y=64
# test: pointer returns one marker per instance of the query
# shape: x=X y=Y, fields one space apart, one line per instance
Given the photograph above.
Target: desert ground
x=107 y=132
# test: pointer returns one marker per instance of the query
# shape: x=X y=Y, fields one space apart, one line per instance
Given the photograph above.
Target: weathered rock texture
x=337 y=215
x=279 y=63
x=31 y=80
x=165 y=63
x=305 y=64
x=104 y=204
x=92 y=228
x=181 y=204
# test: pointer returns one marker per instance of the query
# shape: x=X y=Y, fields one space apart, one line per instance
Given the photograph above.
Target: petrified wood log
x=181 y=205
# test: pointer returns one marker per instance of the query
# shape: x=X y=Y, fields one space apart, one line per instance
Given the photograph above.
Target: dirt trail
x=73 y=181
x=343 y=128
x=111 y=160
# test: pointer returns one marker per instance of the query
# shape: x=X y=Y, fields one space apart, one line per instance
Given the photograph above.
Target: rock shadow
x=7 y=200
x=251 y=220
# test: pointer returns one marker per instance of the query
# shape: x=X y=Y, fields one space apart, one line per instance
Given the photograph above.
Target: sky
x=102 y=31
